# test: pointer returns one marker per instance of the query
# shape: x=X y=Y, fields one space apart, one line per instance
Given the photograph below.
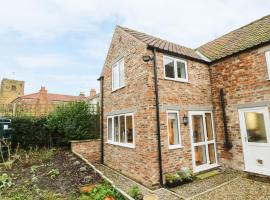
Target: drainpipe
x=101 y=79
x=158 y=118
x=227 y=144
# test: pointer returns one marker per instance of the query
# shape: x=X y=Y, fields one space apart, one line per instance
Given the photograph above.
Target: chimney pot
x=93 y=92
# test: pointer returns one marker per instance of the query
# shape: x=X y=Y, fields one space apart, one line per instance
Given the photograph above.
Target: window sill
x=177 y=80
x=175 y=147
x=114 y=90
x=131 y=146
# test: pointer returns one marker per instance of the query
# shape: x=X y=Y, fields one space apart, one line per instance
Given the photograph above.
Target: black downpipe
x=158 y=118
x=101 y=119
x=227 y=144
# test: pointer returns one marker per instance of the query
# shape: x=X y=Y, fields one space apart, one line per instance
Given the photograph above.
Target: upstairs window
x=118 y=75
x=121 y=130
x=175 y=69
x=267 y=56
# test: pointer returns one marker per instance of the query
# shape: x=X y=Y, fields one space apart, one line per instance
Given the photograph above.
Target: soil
x=70 y=177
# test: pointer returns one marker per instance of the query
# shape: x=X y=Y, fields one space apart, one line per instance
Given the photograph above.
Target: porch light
x=185 y=120
x=147 y=58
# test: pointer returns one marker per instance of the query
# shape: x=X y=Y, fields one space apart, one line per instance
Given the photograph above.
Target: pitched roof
x=52 y=97
x=252 y=34
x=161 y=44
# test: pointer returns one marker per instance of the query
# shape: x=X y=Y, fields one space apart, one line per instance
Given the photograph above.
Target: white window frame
x=267 y=56
x=117 y=63
x=175 y=60
x=126 y=144
x=175 y=146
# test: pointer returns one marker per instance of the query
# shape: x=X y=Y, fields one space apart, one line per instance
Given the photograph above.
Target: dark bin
x=5 y=133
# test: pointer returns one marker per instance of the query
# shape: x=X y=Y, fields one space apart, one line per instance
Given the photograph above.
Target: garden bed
x=51 y=174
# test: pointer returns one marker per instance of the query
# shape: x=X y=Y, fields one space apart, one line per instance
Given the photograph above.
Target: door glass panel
x=198 y=129
x=200 y=155
x=255 y=127
x=122 y=129
x=116 y=129
x=211 y=151
x=209 y=127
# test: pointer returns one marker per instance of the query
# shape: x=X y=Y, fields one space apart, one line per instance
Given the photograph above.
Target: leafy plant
x=135 y=193
x=170 y=178
x=5 y=181
x=185 y=173
x=100 y=192
x=74 y=121
x=53 y=173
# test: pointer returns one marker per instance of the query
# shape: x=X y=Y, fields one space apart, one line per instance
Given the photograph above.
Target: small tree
x=75 y=121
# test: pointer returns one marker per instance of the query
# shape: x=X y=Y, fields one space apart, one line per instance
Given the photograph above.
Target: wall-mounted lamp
x=185 y=120
x=146 y=58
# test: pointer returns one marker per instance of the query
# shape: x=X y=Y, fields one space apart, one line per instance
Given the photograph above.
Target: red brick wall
x=195 y=93
x=89 y=149
x=139 y=163
x=244 y=79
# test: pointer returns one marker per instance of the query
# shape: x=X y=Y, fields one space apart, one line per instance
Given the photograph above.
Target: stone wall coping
x=82 y=141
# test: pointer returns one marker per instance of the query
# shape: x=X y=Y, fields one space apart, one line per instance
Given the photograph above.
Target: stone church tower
x=10 y=90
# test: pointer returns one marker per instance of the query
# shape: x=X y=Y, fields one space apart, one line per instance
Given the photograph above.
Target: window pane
x=129 y=129
x=173 y=129
x=110 y=129
x=121 y=73
x=255 y=127
x=181 y=70
x=115 y=76
x=122 y=129
x=197 y=127
x=200 y=155
x=209 y=128
x=116 y=129
x=211 y=149
x=169 y=68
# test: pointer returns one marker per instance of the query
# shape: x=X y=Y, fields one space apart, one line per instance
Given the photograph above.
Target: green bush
x=74 y=121
x=30 y=132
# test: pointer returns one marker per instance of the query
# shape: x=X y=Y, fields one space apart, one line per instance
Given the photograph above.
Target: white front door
x=203 y=143
x=254 y=125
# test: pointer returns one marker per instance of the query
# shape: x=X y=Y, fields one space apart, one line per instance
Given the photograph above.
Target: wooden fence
x=35 y=109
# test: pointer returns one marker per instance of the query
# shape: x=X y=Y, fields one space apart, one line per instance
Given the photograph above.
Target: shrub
x=74 y=121
x=135 y=193
x=30 y=132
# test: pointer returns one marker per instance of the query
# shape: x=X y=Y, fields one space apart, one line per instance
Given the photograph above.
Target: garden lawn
x=52 y=174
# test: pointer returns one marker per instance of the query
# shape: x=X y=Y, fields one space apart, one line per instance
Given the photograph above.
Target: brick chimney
x=93 y=92
x=43 y=96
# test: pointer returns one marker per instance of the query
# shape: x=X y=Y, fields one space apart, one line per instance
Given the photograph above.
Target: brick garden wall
x=89 y=149
x=244 y=79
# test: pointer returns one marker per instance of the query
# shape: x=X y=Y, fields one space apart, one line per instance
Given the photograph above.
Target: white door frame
x=205 y=143
x=245 y=143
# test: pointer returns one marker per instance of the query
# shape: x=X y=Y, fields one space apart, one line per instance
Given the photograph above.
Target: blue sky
x=62 y=44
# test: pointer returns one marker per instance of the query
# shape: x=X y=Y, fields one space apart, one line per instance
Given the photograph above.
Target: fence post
x=14 y=110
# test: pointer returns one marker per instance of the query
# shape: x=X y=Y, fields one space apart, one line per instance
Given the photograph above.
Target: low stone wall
x=88 y=149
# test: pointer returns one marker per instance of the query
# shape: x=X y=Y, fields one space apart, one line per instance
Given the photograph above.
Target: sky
x=62 y=44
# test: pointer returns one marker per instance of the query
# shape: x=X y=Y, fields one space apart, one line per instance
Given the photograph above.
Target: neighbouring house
x=165 y=106
x=94 y=98
x=10 y=90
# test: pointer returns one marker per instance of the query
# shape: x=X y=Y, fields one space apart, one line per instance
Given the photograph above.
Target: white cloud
x=43 y=61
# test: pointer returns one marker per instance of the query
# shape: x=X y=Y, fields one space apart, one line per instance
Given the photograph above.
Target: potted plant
x=186 y=175
x=182 y=176
x=172 y=180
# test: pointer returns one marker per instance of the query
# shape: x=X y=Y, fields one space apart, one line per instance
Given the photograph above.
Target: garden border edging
x=126 y=196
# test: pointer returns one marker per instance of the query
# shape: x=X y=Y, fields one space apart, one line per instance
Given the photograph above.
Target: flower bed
x=181 y=177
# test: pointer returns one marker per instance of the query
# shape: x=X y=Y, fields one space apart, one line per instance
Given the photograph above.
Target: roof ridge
x=241 y=27
x=123 y=28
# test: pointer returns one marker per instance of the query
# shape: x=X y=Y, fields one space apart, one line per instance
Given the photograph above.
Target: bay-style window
x=173 y=126
x=267 y=56
x=118 y=75
x=121 y=130
x=175 y=69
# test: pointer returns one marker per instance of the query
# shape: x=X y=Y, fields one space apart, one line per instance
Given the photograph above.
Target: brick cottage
x=165 y=106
